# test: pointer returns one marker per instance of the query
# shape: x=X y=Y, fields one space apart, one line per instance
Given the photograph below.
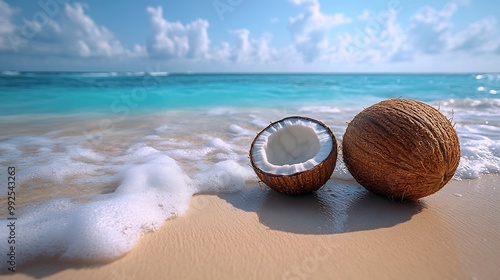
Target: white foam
x=481 y=156
x=214 y=146
x=98 y=74
x=52 y=159
x=239 y=131
x=11 y=149
x=341 y=172
x=10 y=73
x=478 y=125
x=218 y=144
x=139 y=73
x=76 y=151
x=110 y=225
x=225 y=176
x=152 y=188
x=157 y=175
x=159 y=73
x=320 y=109
x=221 y=111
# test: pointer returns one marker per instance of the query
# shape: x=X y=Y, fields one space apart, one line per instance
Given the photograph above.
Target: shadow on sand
x=338 y=207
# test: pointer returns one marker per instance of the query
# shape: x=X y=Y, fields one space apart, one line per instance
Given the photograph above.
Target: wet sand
x=341 y=232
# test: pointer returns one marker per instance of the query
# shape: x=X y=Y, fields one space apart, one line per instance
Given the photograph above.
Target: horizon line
x=254 y=73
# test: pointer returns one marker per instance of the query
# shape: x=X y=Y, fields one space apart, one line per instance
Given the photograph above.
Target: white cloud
x=6 y=26
x=477 y=38
x=263 y=51
x=309 y=29
x=430 y=29
x=378 y=42
x=301 y=2
x=74 y=34
x=6 y=13
x=80 y=35
x=380 y=39
x=244 y=50
x=432 y=33
x=247 y=49
x=176 y=40
x=365 y=16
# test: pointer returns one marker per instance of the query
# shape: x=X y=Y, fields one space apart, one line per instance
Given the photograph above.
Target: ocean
x=100 y=159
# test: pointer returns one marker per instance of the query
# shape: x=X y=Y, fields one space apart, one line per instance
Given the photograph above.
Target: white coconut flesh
x=291 y=146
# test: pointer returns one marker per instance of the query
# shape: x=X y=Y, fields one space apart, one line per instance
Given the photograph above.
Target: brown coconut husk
x=400 y=148
x=303 y=182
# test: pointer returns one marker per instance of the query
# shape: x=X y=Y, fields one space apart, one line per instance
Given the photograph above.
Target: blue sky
x=250 y=36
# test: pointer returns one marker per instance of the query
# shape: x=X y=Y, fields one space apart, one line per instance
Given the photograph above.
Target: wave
x=122 y=74
x=488 y=76
x=152 y=186
x=10 y=73
x=83 y=74
x=159 y=73
x=470 y=105
x=110 y=195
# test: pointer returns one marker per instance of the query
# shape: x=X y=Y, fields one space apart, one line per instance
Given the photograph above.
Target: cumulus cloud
x=247 y=49
x=310 y=28
x=244 y=50
x=365 y=16
x=302 y=2
x=176 y=40
x=431 y=32
x=477 y=37
x=78 y=34
x=6 y=26
x=74 y=34
x=430 y=29
x=6 y=13
x=376 y=38
x=379 y=39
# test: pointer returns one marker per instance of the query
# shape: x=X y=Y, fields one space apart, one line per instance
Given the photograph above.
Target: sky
x=250 y=36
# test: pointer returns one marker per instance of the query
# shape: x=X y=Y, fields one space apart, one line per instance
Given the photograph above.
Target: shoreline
x=342 y=231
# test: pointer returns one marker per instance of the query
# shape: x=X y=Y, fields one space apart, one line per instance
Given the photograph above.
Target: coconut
x=295 y=155
x=403 y=149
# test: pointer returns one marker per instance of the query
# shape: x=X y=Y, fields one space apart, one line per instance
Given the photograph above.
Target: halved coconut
x=295 y=155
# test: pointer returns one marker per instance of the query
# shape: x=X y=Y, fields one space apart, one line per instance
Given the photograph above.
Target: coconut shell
x=303 y=182
x=400 y=148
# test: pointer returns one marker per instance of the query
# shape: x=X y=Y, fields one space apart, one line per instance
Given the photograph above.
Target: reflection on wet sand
x=340 y=206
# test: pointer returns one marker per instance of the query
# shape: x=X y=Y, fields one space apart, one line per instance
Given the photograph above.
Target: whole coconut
x=400 y=148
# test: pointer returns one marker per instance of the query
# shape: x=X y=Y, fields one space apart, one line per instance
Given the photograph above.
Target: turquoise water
x=113 y=93
x=103 y=158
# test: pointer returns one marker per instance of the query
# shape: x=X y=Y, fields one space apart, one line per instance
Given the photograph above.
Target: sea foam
x=478 y=126
x=95 y=202
x=152 y=189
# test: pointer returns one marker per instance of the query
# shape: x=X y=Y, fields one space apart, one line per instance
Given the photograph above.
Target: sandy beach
x=133 y=138
x=341 y=232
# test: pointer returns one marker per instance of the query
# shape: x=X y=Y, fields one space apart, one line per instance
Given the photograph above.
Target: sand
x=342 y=232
